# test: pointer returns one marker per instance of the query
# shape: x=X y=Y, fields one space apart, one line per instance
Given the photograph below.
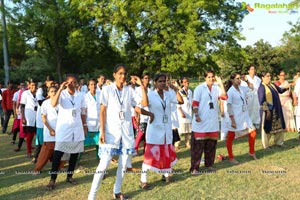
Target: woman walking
x=160 y=154
x=271 y=111
x=286 y=103
x=241 y=124
x=117 y=137
x=205 y=124
x=70 y=129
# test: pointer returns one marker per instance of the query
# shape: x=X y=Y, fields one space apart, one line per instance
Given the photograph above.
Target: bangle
x=197 y=115
x=84 y=124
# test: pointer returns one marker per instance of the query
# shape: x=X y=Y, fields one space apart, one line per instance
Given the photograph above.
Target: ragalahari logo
x=245 y=8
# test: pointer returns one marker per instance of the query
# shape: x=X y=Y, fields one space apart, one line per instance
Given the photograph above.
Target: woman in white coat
x=70 y=129
x=29 y=106
x=160 y=154
x=117 y=137
x=185 y=112
x=92 y=101
x=241 y=123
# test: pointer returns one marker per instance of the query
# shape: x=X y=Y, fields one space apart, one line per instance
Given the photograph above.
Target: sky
x=265 y=24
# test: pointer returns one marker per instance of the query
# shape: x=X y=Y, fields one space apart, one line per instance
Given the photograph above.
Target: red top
x=7 y=96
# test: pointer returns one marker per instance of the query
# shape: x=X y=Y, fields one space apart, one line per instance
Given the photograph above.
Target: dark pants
x=7 y=115
x=21 y=140
x=207 y=146
x=15 y=133
x=56 y=161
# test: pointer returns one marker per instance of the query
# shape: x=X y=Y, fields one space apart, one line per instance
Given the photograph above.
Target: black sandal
x=121 y=196
x=71 y=180
x=50 y=185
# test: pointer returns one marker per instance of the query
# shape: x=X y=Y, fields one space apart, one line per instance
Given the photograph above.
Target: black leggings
x=56 y=161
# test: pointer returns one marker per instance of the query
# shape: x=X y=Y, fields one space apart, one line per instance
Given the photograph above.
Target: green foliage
x=56 y=30
x=171 y=36
x=35 y=67
x=291 y=48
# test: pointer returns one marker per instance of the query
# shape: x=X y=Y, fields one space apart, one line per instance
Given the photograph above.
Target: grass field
x=275 y=175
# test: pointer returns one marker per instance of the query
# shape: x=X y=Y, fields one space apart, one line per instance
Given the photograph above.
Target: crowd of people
x=117 y=116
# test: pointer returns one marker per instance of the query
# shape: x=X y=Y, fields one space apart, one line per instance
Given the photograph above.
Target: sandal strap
x=50 y=185
x=72 y=181
x=145 y=186
x=121 y=196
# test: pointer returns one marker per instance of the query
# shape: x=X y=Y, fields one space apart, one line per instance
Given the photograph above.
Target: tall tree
x=57 y=31
x=172 y=35
x=291 y=47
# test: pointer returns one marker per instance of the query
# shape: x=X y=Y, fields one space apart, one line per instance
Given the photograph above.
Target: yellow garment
x=269 y=97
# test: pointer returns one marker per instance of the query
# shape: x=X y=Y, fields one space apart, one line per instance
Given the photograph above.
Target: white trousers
x=101 y=170
x=144 y=174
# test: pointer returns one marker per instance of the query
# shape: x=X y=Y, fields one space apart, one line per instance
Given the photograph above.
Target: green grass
x=245 y=181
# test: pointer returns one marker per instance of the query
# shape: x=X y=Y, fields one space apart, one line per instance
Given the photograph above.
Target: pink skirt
x=159 y=158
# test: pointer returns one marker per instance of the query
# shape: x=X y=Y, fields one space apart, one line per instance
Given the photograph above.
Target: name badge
x=165 y=119
x=244 y=108
x=121 y=115
x=73 y=113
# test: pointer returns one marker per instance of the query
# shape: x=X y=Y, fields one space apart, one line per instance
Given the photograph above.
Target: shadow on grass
x=243 y=158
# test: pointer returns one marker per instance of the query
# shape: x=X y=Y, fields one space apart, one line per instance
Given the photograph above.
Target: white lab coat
x=93 y=111
x=68 y=127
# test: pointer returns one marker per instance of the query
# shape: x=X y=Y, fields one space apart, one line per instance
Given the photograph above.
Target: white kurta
x=252 y=99
x=116 y=129
x=15 y=99
x=174 y=113
x=186 y=106
x=51 y=115
x=31 y=104
x=237 y=99
x=93 y=111
x=143 y=118
x=160 y=132
x=69 y=126
x=209 y=117
x=39 y=97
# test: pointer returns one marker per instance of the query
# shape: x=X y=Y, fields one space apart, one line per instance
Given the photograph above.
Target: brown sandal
x=50 y=185
x=71 y=180
x=121 y=196
x=145 y=186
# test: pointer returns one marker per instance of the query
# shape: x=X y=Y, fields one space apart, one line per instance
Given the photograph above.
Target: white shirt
x=84 y=89
x=31 y=104
x=98 y=89
x=51 y=114
x=15 y=99
x=186 y=106
x=69 y=127
x=143 y=118
x=159 y=132
x=209 y=117
x=255 y=81
x=237 y=99
x=252 y=100
x=116 y=129
x=174 y=113
x=93 y=111
x=39 y=97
